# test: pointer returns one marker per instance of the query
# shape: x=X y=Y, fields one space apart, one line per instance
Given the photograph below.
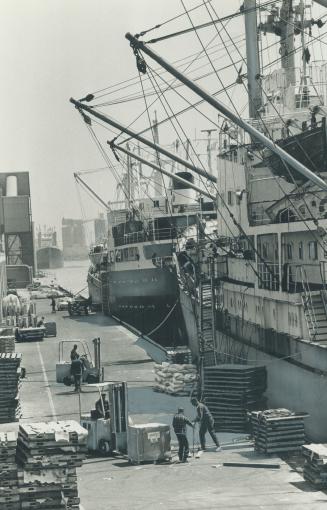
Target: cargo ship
x=252 y=287
x=132 y=276
x=48 y=255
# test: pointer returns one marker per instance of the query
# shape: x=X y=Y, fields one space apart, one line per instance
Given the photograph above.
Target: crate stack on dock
x=278 y=430
x=179 y=356
x=9 y=495
x=10 y=373
x=315 y=465
x=48 y=455
x=7 y=341
x=230 y=391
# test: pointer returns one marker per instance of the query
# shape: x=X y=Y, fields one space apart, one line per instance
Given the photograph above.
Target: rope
x=164 y=320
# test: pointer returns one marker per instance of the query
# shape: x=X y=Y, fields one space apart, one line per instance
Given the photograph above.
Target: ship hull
x=296 y=369
x=147 y=299
x=49 y=258
x=95 y=289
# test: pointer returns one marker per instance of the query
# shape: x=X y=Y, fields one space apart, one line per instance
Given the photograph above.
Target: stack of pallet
x=278 y=430
x=9 y=496
x=48 y=455
x=7 y=342
x=230 y=391
x=315 y=466
x=9 y=387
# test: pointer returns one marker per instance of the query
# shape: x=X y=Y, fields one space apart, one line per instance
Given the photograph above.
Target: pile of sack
x=175 y=379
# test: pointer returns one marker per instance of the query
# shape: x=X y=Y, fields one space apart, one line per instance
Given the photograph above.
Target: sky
x=51 y=50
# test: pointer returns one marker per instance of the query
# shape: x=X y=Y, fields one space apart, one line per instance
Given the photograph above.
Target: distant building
x=16 y=228
x=73 y=239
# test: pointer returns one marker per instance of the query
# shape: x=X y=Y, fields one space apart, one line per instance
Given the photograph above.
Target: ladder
x=207 y=320
x=308 y=306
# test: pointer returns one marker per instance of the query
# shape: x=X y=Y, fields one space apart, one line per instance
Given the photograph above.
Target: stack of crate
x=48 y=455
x=10 y=373
x=315 y=465
x=180 y=356
x=9 y=495
x=231 y=391
x=278 y=430
x=7 y=342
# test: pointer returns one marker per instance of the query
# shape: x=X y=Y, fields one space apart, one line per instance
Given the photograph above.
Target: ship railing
x=268 y=274
x=293 y=281
x=142 y=236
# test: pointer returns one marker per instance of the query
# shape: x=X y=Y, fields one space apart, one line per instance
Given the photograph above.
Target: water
x=72 y=276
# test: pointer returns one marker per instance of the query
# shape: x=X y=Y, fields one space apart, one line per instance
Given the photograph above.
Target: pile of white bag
x=175 y=379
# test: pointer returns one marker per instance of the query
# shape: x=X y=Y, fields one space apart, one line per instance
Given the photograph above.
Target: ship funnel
x=183 y=194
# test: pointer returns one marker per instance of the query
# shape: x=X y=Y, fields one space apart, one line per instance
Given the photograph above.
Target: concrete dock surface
x=112 y=483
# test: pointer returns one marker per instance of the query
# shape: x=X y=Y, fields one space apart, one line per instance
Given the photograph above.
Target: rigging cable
x=267 y=131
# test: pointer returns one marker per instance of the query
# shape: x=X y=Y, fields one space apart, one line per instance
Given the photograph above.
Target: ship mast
x=138 y=46
x=281 y=22
x=252 y=58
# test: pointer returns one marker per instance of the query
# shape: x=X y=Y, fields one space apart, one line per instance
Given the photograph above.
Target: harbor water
x=72 y=276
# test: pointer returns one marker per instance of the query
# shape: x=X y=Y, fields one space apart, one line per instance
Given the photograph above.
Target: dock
x=203 y=482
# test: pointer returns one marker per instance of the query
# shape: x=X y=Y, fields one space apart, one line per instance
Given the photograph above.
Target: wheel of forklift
x=104 y=448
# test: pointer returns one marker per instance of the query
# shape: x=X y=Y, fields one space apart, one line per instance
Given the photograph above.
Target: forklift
x=107 y=426
x=92 y=373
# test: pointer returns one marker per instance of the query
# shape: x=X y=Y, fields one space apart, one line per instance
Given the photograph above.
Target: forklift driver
x=102 y=405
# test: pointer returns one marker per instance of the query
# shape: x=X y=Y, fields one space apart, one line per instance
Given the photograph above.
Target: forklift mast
x=118 y=405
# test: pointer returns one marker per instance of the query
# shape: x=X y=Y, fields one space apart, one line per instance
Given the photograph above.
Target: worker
x=53 y=304
x=73 y=353
x=102 y=407
x=179 y=425
x=17 y=335
x=40 y=322
x=206 y=422
x=76 y=371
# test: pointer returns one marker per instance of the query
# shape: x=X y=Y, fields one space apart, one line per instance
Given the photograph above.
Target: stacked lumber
x=231 y=390
x=315 y=465
x=179 y=356
x=175 y=379
x=9 y=496
x=48 y=455
x=10 y=373
x=7 y=343
x=278 y=430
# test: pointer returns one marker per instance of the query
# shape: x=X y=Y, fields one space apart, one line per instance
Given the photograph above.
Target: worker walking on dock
x=53 y=304
x=206 y=422
x=179 y=425
x=76 y=371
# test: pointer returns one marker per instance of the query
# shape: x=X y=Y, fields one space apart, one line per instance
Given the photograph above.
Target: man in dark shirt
x=76 y=370
x=102 y=407
x=179 y=425
x=206 y=422
x=73 y=353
